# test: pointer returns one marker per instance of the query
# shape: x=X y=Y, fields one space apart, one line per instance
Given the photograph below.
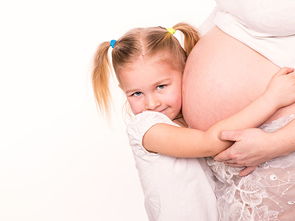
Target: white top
x=175 y=189
x=267 y=26
x=265 y=17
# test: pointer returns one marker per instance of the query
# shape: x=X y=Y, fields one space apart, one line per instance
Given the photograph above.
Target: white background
x=60 y=160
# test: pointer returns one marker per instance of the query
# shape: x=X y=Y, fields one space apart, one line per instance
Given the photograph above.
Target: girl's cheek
x=178 y=101
x=135 y=106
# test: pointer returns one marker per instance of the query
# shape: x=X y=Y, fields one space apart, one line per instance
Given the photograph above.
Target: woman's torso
x=221 y=77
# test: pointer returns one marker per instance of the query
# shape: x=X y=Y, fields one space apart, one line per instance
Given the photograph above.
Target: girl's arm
x=185 y=142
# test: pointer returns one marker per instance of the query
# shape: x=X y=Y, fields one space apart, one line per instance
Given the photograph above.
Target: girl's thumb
x=285 y=70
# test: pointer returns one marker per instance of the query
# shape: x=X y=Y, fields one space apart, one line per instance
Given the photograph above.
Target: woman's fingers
x=247 y=171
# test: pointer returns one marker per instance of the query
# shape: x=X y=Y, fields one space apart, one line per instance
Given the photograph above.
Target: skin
x=222 y=75
x=153 y=83
x=157 y=89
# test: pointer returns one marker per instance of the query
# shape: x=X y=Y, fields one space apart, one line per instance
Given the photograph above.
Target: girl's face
x=154 y=84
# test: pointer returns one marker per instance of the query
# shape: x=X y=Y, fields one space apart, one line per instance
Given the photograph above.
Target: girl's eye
x=161 y=86
x=136 y=94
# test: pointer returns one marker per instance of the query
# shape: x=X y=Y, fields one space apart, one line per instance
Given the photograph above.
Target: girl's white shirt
x=174 y=188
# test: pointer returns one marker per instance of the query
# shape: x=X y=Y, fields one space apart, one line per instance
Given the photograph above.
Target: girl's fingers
x=285 y=70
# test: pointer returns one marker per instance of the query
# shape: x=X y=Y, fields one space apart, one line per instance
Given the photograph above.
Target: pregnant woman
x=229 y=68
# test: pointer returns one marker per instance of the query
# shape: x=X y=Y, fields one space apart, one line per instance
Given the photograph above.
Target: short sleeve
x=140 y=124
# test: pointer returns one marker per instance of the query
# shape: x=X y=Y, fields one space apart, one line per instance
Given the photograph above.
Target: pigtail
x=191 y=36
x=100 y=77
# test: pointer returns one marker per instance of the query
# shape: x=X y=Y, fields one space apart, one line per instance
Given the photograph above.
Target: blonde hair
x=134 y=43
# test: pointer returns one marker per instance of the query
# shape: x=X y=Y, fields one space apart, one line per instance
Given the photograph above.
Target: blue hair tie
x=112 y=43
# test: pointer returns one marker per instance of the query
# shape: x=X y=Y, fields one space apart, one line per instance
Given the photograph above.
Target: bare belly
x=222 y=76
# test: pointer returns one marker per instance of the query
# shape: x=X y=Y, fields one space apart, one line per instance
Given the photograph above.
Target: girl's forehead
x=144 y=72
x=160 y=59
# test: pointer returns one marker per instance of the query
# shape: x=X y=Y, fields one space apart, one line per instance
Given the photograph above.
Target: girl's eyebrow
x=161 y=81
x=131 y=90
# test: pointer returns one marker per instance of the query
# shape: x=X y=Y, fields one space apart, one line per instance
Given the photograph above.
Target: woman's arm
x=185 y=142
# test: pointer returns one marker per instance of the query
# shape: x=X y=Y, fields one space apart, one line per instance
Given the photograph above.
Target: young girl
x=149 y=63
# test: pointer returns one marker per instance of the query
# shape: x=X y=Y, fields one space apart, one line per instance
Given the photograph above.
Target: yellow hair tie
x=171 y=30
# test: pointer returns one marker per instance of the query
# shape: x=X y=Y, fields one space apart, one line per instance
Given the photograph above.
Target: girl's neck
x=180 y=121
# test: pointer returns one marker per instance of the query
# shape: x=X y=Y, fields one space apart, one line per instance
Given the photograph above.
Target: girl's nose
x=152 y=103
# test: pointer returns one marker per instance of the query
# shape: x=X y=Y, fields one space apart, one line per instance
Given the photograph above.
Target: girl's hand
x=281 y=88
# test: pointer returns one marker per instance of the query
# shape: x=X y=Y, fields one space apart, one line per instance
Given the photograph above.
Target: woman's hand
x=252 y=147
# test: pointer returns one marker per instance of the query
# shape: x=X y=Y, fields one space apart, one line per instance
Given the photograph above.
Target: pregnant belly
x=222 y=76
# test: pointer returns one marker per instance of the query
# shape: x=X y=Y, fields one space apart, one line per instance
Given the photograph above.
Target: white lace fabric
x=267 y=194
